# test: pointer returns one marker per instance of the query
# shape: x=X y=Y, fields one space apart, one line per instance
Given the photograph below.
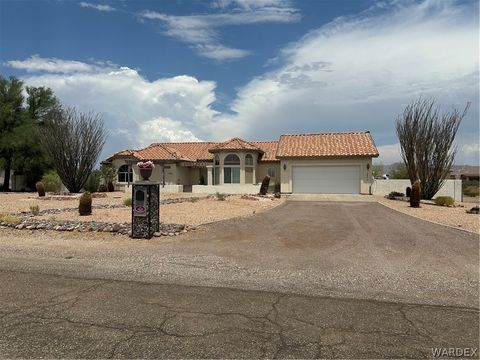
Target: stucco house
x=339 y=162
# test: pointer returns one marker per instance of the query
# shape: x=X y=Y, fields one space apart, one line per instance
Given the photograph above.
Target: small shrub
x=444 y=200
x=127 y=202
x=40 y=189
x=9 y=218
x=52 y=182
x=194 y=199
x=34 y=209
x=474 y=210
x=110 y=186
x=93 y=182
x=85 y=204
x=102 y=188
x=220 y=196
x=395 y=194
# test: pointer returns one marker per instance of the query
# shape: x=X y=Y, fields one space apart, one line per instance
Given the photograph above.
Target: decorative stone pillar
x=209 y=174
x=145 y=209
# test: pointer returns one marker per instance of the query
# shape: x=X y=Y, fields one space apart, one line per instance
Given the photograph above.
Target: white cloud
x=359 y=73
x=389 y=154
x=471 y=148
x=136 y=111
x=98 y=7
x=36 y=63
x=201 y=32
x=164 y=129
x=251 y=4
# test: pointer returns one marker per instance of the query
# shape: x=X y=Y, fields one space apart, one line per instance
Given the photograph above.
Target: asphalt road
x=306 y=279
x=59 y=317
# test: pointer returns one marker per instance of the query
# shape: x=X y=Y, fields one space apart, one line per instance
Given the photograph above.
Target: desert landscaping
x=181 y=212
x=454 y=216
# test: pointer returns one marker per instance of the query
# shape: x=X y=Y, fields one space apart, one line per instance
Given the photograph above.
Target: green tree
x=20 y=148
x=40 y=102
x=377 y=170
x=108 y=173
x=12 y=116
x=399 y=171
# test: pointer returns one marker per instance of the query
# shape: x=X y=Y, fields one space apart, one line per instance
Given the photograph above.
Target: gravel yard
x=452 y=216
x=191 y=213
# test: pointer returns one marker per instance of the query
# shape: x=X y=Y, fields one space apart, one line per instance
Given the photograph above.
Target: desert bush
x=194 y=199
x=220 y=196
x=35 y=209
x=9 y=218
x=395 y=194
x=127 y=202
x=40 y=188
x=110 y=186
x=474 y=210
x=85 y=204
x=102 y=188
x=52 y=182
x=444 y=200
x=93 y=182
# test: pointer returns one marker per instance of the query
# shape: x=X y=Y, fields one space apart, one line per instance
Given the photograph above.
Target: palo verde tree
x=74 y=141
x=426 y=141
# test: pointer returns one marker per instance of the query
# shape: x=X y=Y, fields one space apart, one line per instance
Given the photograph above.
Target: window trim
x=127 y=174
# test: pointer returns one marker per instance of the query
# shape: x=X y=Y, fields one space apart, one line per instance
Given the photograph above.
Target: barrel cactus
x=40 y=189
x=85 y=204
x=415 y=194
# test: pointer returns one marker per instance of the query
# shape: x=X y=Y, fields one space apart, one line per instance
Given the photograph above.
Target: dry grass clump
x=9 y=218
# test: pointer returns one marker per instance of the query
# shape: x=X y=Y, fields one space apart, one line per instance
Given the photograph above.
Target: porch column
x=209 y=174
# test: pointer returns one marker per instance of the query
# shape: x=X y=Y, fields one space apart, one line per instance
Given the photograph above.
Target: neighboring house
x=17 y=182
x=303 y=163
x=465 y=172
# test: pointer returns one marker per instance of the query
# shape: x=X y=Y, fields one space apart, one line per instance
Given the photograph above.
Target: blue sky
x=214 y=69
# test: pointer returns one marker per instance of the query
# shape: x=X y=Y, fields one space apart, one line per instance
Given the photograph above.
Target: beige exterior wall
x=262 y=170
x=241 y=154
x=365 y=175
x=180 y=175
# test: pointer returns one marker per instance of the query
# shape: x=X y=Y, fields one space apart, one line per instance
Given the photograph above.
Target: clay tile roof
x=161 y=152
x=269 y=149
x=327 y=144
x=123 y=154
x=194 y=150
x=235 y=144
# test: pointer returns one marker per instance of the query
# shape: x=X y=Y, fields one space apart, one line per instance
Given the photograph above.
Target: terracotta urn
x=145 y=173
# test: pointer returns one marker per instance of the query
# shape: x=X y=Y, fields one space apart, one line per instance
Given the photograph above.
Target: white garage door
x=326 y=179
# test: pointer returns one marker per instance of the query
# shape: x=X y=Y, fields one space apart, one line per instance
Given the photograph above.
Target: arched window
x=248 y=169
x=249 y=160
x=231 y=169
x=231 y=159
x=125 y=174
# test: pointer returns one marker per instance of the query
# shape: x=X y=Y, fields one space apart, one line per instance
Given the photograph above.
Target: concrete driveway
x=306 y=279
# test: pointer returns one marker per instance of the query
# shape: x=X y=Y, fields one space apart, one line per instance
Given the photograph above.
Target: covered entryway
x=326 y=179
